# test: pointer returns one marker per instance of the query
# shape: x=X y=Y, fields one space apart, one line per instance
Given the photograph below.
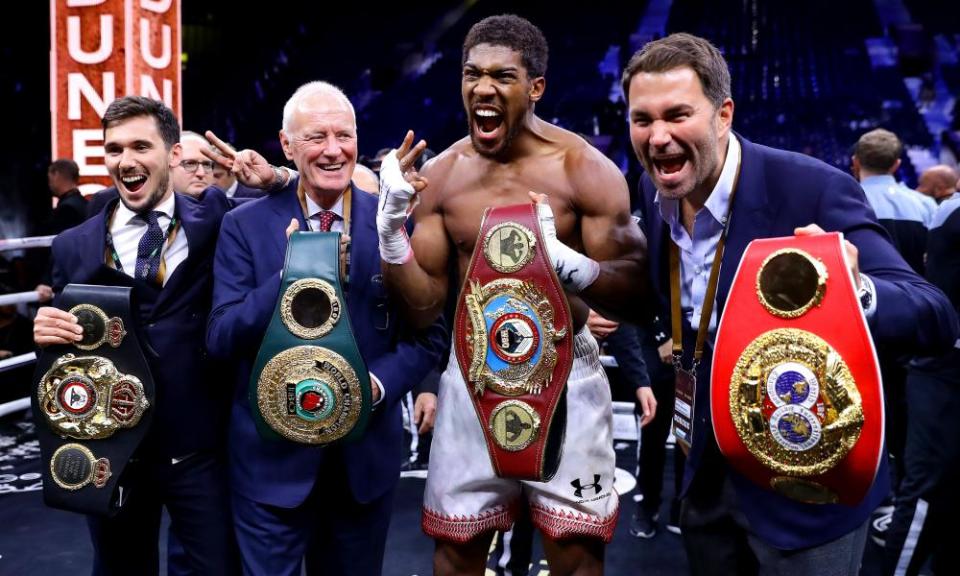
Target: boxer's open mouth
x=487 y=122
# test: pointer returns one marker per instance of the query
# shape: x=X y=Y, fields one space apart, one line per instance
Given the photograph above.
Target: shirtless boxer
x=599 y=258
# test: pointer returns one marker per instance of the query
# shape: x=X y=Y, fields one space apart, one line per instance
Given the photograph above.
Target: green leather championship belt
x=91 y=402
x=309 y=383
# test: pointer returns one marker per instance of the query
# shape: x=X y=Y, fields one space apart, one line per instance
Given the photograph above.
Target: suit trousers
x=718 y=540
x=337 y=534
x=194 y=490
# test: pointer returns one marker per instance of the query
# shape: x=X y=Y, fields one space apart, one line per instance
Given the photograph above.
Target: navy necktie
x=149 y=249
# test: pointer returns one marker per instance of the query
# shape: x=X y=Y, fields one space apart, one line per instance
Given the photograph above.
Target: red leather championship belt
x=513 y=344
x=796 y=398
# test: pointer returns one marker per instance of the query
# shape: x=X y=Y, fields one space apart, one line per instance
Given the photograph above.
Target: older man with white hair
x=288 y=496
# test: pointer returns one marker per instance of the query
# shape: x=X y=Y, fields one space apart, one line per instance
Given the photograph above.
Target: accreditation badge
x=796 y=399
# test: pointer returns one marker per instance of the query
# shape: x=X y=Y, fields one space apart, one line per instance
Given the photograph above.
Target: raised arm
x=415 y=267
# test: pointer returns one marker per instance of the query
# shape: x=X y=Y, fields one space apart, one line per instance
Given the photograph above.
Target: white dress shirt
x=128 y=228
x=314 y=210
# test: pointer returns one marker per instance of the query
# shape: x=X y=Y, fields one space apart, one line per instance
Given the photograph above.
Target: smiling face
x=139 y=163
x=677 y=134
x=497 y=96
x=321 y=139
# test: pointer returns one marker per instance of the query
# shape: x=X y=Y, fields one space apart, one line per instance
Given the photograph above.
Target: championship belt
x=797 y=403
x=309 y=384
x=91 y=402
x=513 y=344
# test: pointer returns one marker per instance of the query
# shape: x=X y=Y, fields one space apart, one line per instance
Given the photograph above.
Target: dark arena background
x=809 y=76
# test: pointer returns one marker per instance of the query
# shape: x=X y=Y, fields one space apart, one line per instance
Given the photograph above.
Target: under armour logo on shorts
x=579 y=488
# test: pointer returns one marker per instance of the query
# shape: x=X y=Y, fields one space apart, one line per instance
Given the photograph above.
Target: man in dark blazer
x=63 y=176
x=180 y=464
x=285 y=493
x=678 y=92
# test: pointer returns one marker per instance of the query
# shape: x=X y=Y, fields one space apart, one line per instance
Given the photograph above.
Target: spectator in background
x=63 y=176
x=876 y=159
x=938 y=182
x=194 y=174
x=927 y=501
x=366 y=179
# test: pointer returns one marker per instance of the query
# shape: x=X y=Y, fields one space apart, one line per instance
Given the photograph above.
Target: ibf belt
x=797 y=404
x=513 y=344
x=309 y=383
x=92 y=402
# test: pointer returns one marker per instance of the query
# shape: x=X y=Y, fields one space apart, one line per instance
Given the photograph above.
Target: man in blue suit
x=681 y=112
x=180 y=463
x=287 y=496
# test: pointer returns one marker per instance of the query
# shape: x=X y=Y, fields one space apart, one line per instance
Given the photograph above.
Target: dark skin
x=503 y=165
x=586 y=191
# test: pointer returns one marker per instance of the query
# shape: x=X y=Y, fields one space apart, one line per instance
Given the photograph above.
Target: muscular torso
x=463 y=184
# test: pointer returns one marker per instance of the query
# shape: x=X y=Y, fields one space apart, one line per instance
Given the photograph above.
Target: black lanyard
x=707 y=310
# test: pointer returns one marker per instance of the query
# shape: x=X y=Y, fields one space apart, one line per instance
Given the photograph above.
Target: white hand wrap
x=396 y=195
x=576 y=271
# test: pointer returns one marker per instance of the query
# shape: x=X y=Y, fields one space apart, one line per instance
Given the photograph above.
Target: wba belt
x=796 y=399
x=309 y=383
x=92 y=401
x=513 y=344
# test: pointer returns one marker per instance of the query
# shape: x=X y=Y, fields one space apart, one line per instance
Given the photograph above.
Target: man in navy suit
x=180 y=463
x=287 y=496
x=681 y=112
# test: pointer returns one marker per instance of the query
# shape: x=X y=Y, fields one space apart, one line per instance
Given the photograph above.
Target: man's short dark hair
x=878 y=150
x=134 y=106
x=683 y=50
x=65 y=167
x=514 y=32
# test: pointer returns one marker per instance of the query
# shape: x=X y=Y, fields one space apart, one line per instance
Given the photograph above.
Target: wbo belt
x=309 y=383
x=796 y=398
x=91 y=402
x=513 y=344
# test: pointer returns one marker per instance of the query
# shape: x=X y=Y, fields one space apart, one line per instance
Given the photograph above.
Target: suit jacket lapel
x=285 y=205
x=197 y=232
x=752 y=214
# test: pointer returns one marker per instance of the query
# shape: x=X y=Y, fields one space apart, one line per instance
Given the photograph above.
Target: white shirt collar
x=126 y=216
x=313 y=208
x=718 y=203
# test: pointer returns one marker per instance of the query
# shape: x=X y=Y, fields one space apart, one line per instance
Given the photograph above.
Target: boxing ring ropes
x=623 y=411
x=6 y=245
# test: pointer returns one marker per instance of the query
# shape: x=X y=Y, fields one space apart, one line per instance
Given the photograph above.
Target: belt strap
x=309 y=383
x=92 y=402
x=514 y=344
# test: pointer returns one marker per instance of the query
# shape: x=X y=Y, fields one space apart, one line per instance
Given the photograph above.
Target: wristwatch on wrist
x=865 y=294
x=279 y=180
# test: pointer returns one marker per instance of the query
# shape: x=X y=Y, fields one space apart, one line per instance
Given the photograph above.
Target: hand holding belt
x=92 y=402
x=796 y=400
x=309 y=383
x=513 y=344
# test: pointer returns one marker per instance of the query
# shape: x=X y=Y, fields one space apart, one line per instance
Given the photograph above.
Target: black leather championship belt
x=309 y=383
x=92 y=402
x=796 y=399
x=513 y=344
